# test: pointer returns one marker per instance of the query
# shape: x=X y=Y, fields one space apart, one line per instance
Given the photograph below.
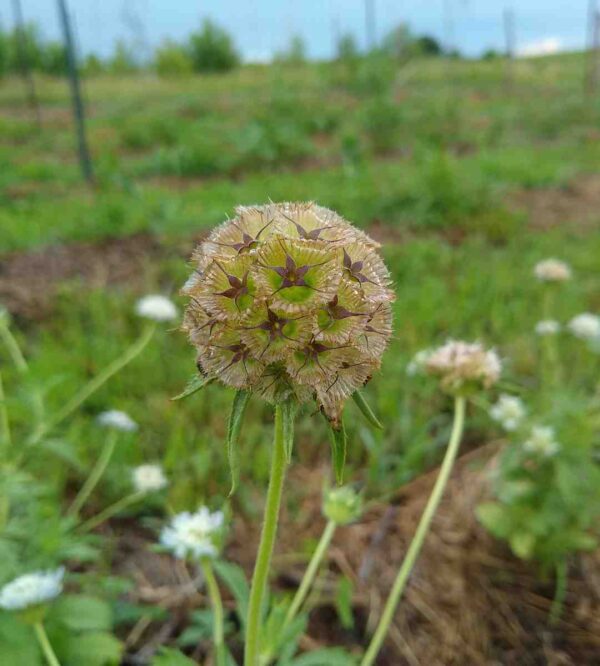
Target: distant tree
x=212 y=49
x=427 y=45
x=32 y=46
x=402 y=44
x=490 y=54
x=92 y=65
x=295 y=53
x=172 y=59
x=123 y=60
x=4 y=49
x=54 y=59
x=347 y=48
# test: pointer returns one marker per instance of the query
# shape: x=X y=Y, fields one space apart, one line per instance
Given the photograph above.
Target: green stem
x=267 y=541
x=422 y=529
x=311 y=572
x=217 y=608
x=5 y=438
x=95 y=475
x=42 y=637
x=560 y=593
x=94 y=384
x=111 y=511
x=13 y=348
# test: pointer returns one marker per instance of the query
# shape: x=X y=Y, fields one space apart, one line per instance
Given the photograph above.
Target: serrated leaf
x=236 y=417
x=339 y=445
x=235 y=580
x=288 y=413
x=367 y=412
x=195 y=384
x=82 y=613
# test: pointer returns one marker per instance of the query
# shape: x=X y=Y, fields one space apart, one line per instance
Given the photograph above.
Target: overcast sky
x=262 y=27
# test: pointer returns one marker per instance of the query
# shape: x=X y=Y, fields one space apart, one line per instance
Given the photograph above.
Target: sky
x=261 y=28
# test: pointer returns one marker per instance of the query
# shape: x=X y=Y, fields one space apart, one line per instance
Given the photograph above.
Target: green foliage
x=172 y=59
x=347 y=49
x=295 y=54
x=381 y=120
x=123 y=59
x=212 y=49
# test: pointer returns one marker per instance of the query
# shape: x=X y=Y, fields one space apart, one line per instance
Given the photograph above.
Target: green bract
x=289 y=301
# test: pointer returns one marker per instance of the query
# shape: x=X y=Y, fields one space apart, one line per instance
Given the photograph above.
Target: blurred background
x=462 y=135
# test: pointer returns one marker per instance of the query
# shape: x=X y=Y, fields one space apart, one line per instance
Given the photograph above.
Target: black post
x=77 y=101
x=24 y=64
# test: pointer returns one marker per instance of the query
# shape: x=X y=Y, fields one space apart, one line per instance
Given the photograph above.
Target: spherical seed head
x=289 y=300
x=342 y=505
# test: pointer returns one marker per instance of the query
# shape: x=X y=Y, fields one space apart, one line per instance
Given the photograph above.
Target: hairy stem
x=560 y=592
x=95 y=475
x=111 y=511
x=311 y=572
x=42 y=637
x=94 y=384
x=422 y=529
x=267 y=541
x=217 y=608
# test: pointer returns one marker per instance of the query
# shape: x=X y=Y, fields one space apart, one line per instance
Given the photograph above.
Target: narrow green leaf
x=235 y=579
x=288 y=412
x=366 y=410
x=195 y=384
x=233 y=432
x=339 y=444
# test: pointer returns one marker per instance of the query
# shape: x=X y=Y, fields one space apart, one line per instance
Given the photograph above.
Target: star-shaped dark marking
x=354 y=268
x=306 y=235
x=274 y=325
x=293 y=275
x=338 y=312
x=248 y=242
x=241 y=353
x=238 y=287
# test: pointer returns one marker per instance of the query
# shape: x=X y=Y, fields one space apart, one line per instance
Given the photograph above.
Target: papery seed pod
x=289 y=300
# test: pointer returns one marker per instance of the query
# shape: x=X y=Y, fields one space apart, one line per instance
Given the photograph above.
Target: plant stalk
x=5 y=437
x=217 y=608
x=267 y=541
x=422 y=529
x=560 y=593
x=311 y=572
x=42 y=637
x=13 y=348
x=95 y=475
x=94 y=384
x=111 y=511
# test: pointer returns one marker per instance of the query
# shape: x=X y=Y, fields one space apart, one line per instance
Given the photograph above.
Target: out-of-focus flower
x=463 y=366
x=585 y=326
x=547 y=327
x=542 y=441
x=32 y=589
x=418 y=363
x=156 y=307
x=509 y=411
x=552 y=270
x=290 y=301
x=149 y=478
x=113 y=418
x=342 y=505
x=194 y=535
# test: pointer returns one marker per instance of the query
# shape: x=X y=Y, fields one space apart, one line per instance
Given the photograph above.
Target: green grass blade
x=365 y=408
x=195 y=384
x=233 y=432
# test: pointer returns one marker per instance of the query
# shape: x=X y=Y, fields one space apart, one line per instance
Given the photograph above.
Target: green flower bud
x=289 y=300
x=342 y=505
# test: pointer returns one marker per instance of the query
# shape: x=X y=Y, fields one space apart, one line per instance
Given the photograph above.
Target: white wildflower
x=552 y=270
x=418 y=363
x=149 y=478
x=156 y=307
x=509 y=411
x=547 y=327
x=585 y=326
x=113 y=418
x=193 y=535
x=461 y=365
x=32 y=589
x=542 y=441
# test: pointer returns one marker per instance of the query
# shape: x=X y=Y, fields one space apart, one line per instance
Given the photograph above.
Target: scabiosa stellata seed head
x=464 y=367
x=32 y=589
x=289 y=301
x=552 y=270
x=194 y=535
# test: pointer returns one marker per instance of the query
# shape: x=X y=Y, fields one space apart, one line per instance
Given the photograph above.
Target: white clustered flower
x=552 y=270
x=113 y=418
x=585 y=326
x=32 y=589
x=193 y=534
x=509 y=411
x=149 y=478
x=418 y=363
x=459 y=363
x=542 y=441
x=156 y=307
x=547 y=327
